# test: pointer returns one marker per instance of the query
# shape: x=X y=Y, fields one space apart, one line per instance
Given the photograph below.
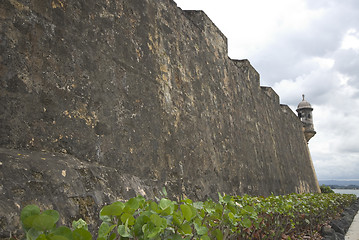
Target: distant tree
x=326 y=189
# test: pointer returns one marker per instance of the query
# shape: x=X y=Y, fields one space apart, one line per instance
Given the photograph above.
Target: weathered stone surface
x=328 y=233
x=62 y=182
x=141 y=90
x=342 y=224
x=338 y=228
x=339 y=236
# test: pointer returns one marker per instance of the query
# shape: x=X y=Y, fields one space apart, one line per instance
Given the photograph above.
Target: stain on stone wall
x=144 y=93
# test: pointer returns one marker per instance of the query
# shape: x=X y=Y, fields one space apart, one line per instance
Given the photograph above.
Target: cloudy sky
x=303 y=46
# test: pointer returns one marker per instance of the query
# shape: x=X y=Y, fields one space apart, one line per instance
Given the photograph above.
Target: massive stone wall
x=129 y=96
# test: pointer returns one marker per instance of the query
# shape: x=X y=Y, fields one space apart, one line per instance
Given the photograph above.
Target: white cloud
x=351 y=40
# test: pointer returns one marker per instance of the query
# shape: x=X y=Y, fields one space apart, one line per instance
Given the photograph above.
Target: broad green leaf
x=219 y=209
x=133 y=203
x=165 y=203
x=167 y=220
x=44 y=222
x=29 y=210
x=249 y=209
x=231 y=215
x=137 y=228
x=201 y=230
x=220 y=198
x=246 y=222
x=140 y=221
x=178 y=218
x=111 y=228
x=41 y=237
x=81 y=234
x=227 y=199
x=63 y=232
x=107 y=219
x=198 y=205
x=105 y=229
x=32 y=234
x=28 y=214
x=154 y=232
x=153 y=206
x=112 y=236
x=219 y=234
x=115 y=209
x=167 y=211
x=28 y=222
x=124 y=231
x=157 y=220
x=128 y=217
x=53 y=213
x=141 y=201
x=177 y=237
x=167 y=207
x=150 y=230
x=186 y=228
x=187 y=212
x=146 y=228
x=187 y=200
x=194 y=211
x=209 y=207
x=231 y=207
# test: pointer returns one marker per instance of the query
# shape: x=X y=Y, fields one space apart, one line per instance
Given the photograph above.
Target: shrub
x=232 y=217
x=326 y=189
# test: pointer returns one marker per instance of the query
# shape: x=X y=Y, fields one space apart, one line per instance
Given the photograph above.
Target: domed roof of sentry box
x=304 y=104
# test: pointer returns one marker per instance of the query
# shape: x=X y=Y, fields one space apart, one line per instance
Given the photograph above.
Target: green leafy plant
x=231 y=217
x=42 y=225
x=326 y=189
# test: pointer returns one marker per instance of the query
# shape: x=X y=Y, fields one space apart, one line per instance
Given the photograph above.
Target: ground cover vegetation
x=326 y=189
x=231 y=217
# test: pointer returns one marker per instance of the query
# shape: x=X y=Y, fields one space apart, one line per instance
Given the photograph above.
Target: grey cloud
x=319 y=87
x=349 y=147
x=340 y=166
x=347 y=62
x=286 y=57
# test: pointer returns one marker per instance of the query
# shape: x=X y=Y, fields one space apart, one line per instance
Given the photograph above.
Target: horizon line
x=338 y=179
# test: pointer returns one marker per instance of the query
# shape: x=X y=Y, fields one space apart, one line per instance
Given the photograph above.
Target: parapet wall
x=135 y=95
